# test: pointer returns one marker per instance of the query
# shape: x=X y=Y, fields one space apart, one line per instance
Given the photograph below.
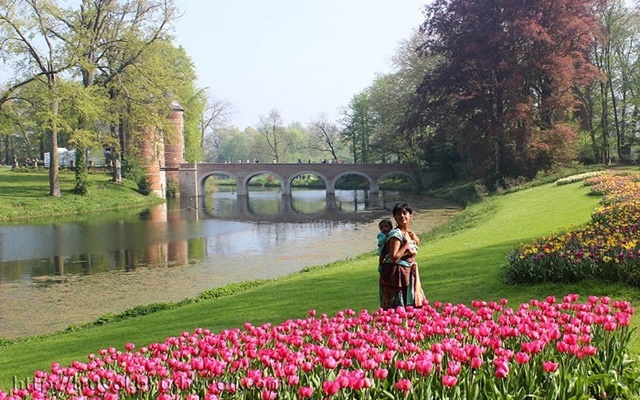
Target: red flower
x=522 y=357
x=449 y=381
x=305 y=392
x=330 y=387
x=403 y=385
x=549 y=366
x=381 y=373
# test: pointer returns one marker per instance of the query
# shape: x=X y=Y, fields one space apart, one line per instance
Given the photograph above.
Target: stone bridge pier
x=194 y=175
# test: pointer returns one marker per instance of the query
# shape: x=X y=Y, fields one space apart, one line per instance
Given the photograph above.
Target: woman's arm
x=397 y=249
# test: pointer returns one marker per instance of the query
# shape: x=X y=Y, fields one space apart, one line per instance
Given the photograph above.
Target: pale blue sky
x=302 y=57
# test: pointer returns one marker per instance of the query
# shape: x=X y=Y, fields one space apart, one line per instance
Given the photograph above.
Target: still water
x=57 y=273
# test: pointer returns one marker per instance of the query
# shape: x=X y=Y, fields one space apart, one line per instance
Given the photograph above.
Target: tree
x=215 y=116
x=272 y=130
x=107 y=42
x=32 y=46
x=610 y=107
x=325 y=136
x=506 y=80
x=358 y=121
x=238 y=146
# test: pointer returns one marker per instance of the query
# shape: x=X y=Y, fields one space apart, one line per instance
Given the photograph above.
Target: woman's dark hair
x=399 y=207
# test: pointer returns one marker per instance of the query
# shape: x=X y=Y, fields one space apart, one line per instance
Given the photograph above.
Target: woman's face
x=403 y=218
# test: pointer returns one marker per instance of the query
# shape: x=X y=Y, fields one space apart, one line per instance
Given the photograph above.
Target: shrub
x=144 y=186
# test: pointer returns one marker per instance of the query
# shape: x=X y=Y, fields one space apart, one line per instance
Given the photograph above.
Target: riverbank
x=25 y=195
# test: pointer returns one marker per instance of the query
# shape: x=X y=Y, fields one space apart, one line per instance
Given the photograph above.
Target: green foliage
x=144 y=186
x=172 y=189
x=132 y=169
x=465 y=192
x=81 y=172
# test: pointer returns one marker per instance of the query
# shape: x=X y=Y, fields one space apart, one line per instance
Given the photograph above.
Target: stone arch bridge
x=194 y=175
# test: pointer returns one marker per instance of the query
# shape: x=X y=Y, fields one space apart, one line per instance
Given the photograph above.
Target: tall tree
x=358 y=119
x=273 y=131
x=215 y=116
x=32 y=48
x=610 y=109
x=325 y=136
x=506 y=79
x=107 y=42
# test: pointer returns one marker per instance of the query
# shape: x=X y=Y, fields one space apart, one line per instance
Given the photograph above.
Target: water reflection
x=170 y=235
x=302 y=206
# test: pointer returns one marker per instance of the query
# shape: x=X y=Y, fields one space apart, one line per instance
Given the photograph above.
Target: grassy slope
x=26 y=195
x=458 y=267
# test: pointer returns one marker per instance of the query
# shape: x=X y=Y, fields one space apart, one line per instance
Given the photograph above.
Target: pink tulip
x=305 y=392
x=424 y=367
x=549 y=366
x=381 y=373
x=522 y=357
x=330 y=388
x=403 y=385
x=476 y=362
x=268 y=395
x=454 y=368
x=449 y=381
x=501 y=372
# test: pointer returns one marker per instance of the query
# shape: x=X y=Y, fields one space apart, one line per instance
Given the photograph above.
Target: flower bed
x=607 y=248
x=540 y=349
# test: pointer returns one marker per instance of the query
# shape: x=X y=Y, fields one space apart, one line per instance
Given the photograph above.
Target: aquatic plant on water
x=544 y=349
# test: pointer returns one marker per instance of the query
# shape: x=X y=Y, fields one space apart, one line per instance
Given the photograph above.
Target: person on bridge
x=399 y=279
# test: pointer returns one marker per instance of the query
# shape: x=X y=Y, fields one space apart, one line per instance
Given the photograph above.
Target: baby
x=385 y=227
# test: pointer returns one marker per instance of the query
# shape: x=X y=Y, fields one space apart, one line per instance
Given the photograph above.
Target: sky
x=300 y=57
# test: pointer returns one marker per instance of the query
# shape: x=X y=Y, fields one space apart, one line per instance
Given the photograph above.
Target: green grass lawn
x=25 y=194
x=462 y=263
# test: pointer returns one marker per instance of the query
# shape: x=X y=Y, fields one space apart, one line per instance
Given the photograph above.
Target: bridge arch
x=308 y=172
x=203 y=180
x=248 y=177
x=373 y=185
x=411 y=177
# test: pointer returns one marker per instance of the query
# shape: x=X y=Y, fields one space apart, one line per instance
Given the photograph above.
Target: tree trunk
x=604 y=125
x=81 y=186
x=54 y=178
x=116 y=165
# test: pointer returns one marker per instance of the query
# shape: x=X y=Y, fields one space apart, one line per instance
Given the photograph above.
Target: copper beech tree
x=503 y=89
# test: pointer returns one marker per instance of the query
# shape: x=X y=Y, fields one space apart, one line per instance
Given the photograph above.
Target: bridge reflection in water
x=333 y=210
x=165 y=235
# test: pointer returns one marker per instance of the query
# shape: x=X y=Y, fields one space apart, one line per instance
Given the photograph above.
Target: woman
x=399 y=279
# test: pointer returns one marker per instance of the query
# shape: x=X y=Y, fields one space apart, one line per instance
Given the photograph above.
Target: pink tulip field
x=545 y=349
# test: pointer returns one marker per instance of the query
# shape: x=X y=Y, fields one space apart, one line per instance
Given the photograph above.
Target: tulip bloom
x=403 y=385
x=549 y=366
x=449 y=381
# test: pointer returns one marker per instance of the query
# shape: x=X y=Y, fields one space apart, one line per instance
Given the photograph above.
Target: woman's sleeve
x=395 y=233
